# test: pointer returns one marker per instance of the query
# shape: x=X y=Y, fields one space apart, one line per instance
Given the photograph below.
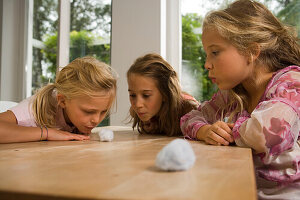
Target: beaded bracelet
x=47 y=132
x=41 y=133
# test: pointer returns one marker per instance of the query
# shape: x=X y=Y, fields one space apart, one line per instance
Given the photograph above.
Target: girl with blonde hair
x=157 y=101
x=67 y=109
x=254 y=60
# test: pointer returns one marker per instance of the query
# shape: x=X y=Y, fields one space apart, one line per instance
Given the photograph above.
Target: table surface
x=122 y=169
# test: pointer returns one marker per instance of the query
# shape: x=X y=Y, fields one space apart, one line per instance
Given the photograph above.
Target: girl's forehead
x=140 y=78
x=101 y=94
x=211 y=37
x=141 y=82
x=210 y=32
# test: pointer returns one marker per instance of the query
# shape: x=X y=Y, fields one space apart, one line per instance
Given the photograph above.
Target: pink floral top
x=271 y=130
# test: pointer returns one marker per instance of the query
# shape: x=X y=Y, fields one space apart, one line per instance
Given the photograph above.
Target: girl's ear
x=254 y=50
x=61 y=100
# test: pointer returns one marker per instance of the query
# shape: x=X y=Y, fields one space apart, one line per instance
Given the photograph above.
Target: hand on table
x=218 y=133
x=54 y=134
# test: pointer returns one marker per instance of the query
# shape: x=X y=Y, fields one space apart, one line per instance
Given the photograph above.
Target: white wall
x=139 y=27
x=13 y=50
x=136 y=30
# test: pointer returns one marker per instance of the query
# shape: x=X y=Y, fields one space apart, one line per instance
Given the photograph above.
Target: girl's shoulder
x=290 y=73
x=287 y=78
x=189 y=101
x=285 y=87
x=23 y=112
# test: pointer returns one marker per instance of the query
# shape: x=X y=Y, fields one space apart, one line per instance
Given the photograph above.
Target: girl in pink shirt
x=157 y=102
x=254 y=60
x=68 y=109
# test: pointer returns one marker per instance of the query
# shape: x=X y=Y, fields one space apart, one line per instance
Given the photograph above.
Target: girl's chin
x=144 y=119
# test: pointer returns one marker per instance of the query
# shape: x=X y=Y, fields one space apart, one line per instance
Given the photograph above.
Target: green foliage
x=290 y=14
x=90 y=15
x=43 y=23
x=50 y=54
x=81 y=44
x=194 y=56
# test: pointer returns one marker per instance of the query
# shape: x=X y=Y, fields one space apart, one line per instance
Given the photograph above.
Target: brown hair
x=167 y=120
x=245 y=23
x=83 y=76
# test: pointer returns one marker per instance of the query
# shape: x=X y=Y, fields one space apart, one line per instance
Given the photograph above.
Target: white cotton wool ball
x=106 y=135
x=176 y=156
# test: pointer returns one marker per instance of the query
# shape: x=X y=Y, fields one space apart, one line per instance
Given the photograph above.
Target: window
x=44 y=43
x=90 y=26
x=90 y=29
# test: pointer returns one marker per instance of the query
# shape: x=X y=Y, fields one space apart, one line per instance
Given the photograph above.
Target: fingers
x=216 y=139
x=223 y=130
x=219 y=134
x=231 y=125
x=56 y=135
x=211 y=141
x=78 y=137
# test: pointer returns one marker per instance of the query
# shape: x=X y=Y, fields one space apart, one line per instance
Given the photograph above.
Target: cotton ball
x=175 y=156
x=106 y=135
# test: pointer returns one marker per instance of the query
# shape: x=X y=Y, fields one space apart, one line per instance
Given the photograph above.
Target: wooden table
x=122 y=169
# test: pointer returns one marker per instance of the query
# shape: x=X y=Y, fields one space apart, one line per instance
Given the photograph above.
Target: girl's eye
x=215 y=53
x=88 y=112
x=132 y=95
x=146 y=95
x=103 y=112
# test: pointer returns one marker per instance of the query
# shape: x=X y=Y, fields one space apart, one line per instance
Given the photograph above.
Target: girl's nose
x=139 y=102
x=95 y=119
x=208 y=65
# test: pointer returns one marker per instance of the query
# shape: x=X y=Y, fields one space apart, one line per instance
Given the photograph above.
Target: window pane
x=194 y=76
x=45 y=22
x=90 y=31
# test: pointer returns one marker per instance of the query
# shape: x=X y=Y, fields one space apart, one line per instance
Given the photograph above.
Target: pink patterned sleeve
x=207 y=113
x=273 y=127
x=269 y=129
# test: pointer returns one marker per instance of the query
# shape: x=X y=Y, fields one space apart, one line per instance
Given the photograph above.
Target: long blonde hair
x=83 y=76
x=174 y=106
x=247 y=22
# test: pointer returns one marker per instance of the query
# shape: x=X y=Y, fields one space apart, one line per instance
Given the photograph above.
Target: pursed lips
x=213 y=79
x=141 y=113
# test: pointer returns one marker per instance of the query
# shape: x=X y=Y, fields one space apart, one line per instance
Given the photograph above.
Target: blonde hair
x=247 y=23
x=83 y=76
x=174 y=106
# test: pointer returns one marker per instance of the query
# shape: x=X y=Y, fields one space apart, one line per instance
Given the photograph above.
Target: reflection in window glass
x=194 y=76
x=90 y=29
x=45 y=20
